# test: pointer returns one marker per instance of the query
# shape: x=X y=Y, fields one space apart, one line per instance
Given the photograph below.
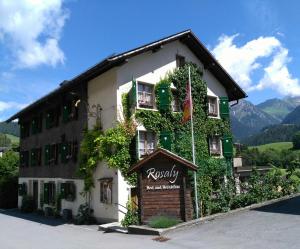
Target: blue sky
x=45 y=42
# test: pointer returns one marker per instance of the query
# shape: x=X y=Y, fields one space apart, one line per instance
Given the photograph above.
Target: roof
x=187 y=37
x=166 y=153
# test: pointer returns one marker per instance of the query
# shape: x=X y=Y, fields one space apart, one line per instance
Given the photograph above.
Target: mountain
x=278 y=108
x=295 y=101
x=272 y=134
x=293 y=117
x=247 y=119
x=10 y=128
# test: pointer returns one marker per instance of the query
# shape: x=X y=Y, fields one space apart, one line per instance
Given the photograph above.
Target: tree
x=9 y=163
x=296 y=141
x=4 y=141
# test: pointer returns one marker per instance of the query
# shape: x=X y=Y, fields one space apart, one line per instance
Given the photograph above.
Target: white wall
x=74 y=205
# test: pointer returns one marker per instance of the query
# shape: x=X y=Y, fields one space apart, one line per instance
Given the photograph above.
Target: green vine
x=211 y=171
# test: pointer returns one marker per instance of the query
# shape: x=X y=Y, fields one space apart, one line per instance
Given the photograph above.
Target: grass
x=276 y=146
x=163 y=222
x=13 y=138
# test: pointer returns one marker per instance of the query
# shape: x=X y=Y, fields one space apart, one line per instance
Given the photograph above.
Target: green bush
x=163 y=222
x=84 y=216
x=28 y=204
x=131 y=217
x=242 y=200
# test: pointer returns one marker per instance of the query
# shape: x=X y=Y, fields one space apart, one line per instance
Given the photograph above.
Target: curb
x=152 y=231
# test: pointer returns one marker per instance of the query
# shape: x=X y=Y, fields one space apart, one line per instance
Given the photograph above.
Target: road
x=276 y=226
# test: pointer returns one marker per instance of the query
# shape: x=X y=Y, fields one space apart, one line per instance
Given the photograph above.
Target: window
x=215 y=145
x=212 y=106
x=24 y=158
x=147 y=143
x=68 y=191
x=175 y=102
x=49 y=193
x=70 y=111
x=36 y=157
x=106 y=190
x=145 y=95
x=69 y=150
x=180 y=61
x=25 y=128
x=52 y=117
x=36 y=124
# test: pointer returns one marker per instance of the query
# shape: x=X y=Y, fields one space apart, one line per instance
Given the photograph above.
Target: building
x=51 y=127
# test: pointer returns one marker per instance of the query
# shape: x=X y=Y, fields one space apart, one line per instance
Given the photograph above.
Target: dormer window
x=212 y=106
x=145 y=95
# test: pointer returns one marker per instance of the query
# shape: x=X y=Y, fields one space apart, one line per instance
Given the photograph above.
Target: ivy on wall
x=115 y=144
x=211 y=171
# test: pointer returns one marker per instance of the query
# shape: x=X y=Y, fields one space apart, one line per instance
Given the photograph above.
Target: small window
x=175 y=102
x=24 y=158
x=147 y=143
x=49 y=193
x=106 y=190
x=215 y=145
x=180 y=61
x=145 y=95
x=212 y=106
x=25 y=129
x=68 y=191
x=52 y=117
x=36 y=157
x=36 y=124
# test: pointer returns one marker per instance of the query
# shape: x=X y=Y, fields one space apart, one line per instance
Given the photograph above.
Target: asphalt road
x=275 y=226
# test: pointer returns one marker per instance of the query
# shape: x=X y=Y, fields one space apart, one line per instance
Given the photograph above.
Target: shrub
x=131 y=217
x=296 y=141
x=163 y=222
x=49 y=211
x=84 y=216
x=242 y=200
x=28 y=204
x=9 y=192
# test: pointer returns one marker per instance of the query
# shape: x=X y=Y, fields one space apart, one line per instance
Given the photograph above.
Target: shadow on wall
x=49 y=221
x=290 y=206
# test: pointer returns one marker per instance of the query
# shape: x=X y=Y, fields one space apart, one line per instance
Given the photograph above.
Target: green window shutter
x=165 y=140
x=63 y=190
x=224 y=107
x=33 y=126
x=33 y=157
x=48 y=120
x=164 y=97
x=47 y=154
x=227 y=146
x=64 y=152
x=67 y=109
x=22 y=189
x=132 y=94
x=46 y=193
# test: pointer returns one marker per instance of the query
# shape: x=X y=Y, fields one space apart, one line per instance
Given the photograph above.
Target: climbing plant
x=211 y=172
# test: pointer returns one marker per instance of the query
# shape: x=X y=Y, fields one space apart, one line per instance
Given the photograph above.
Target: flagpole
x=193 y=145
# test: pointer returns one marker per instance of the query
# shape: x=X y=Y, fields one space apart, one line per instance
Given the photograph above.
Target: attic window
x=180 y=60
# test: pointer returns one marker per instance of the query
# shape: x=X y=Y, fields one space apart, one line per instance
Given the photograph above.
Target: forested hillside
x=10 y=128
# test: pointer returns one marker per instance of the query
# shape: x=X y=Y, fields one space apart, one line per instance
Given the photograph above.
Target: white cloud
x=4 y=106
x=277 y=76
x=31 y=29
x=243 y=61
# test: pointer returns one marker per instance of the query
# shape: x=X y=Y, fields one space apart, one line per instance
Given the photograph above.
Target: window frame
x=146 y=149
x=216 y=152
x=175 y=98
x=180 y=60
x=216 y=113
x=104 y=196
x=144 y=84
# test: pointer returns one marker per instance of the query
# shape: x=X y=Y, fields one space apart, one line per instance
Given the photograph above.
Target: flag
x=187 y=105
